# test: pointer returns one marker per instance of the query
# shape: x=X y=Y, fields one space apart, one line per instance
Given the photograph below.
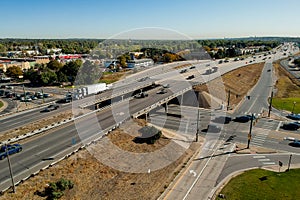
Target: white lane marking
x=279 y=125
x=269 y=163
x=259 y=156
x=264 y=159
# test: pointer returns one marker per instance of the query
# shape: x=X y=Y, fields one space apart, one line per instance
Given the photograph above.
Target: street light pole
x=293 y=107
x=197 y=131
x=270 y=105
x=10 y=170
x=250 y=131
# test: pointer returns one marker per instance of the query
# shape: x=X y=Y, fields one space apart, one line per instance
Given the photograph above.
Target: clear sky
x=106 y=18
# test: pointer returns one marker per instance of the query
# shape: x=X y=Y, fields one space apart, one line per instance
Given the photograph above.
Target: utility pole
x=290 y=159
x=10 y=170
x=228 y=101
x=197 y=131
x=250 y=131
x=270 y=105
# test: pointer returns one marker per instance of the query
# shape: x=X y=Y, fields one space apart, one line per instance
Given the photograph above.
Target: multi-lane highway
x=46 y=146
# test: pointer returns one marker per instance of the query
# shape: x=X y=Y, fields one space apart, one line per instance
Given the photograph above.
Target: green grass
x=287 y=104
x=250 y=185
x=1 y=104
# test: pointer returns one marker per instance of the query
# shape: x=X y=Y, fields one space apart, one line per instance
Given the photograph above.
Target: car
x=291 y=126
x=220 y=61
x=268 y=70
x=141 y=95
x=190 y=77
x=294 y=116
x=183 y=71
x=166 y=85
x=51 y=107
x=213 y=128
x=161 y=91
x=46 y=95
x=244 y=118
x=192 y=67
x=9 y=149
x=295 y=143
x=222 y=120
x=143 y=79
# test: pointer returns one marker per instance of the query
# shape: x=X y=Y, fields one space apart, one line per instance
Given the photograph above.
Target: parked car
x=9 y=149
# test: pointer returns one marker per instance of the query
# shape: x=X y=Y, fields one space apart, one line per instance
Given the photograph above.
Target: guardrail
x=149 y=108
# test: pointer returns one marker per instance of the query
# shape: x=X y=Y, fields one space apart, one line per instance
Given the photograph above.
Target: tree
x=48 y=77
x=122 y=60
x=88 y=74
x=14 y=72
x=54 y=65
x=70 y=70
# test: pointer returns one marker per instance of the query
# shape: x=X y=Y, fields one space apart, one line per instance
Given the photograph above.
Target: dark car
x=291 y=126
x=295 y=143
x=242 y=119
x=9 y=149
x=190 y=77
x=294 y=116
x=50 y=108
x=222 y=120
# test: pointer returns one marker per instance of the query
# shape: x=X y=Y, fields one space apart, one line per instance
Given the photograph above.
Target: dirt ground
x=238 y=82
x=286 y=84
x=94 y=180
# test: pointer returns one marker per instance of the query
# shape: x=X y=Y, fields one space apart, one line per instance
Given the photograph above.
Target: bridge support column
x=146 y=116
x=166 y=108
x=181 y=100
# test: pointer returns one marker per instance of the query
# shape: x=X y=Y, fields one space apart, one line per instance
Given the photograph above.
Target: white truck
x=87 y=90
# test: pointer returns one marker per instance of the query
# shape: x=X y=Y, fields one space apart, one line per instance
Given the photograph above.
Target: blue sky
x=104 y=19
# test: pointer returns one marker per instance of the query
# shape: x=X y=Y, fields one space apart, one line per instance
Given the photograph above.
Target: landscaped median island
x=263 y=184
x=287 y=96
x=238 y=81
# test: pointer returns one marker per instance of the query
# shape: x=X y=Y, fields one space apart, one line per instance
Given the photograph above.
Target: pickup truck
x=11 y=149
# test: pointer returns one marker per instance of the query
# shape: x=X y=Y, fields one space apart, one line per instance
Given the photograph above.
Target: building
x=146 y=62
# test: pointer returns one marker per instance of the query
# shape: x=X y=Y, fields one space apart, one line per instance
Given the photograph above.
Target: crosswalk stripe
x=259 y=156
x=269 y=163
x=264 y=159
